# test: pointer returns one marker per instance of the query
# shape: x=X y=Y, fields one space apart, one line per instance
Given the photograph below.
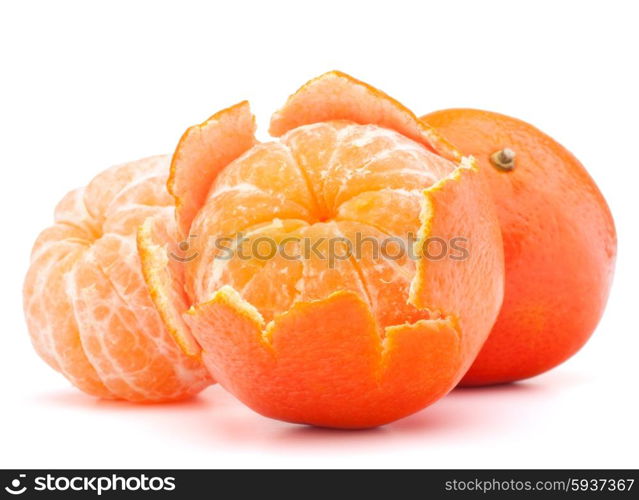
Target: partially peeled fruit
x=349 y=342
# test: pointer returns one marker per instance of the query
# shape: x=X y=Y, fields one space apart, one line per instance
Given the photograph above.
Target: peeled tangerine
x=87 y=305
x=345 y=342
x=559 y=243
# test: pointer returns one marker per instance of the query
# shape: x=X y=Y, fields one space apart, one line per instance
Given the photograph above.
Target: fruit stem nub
x=504 y=159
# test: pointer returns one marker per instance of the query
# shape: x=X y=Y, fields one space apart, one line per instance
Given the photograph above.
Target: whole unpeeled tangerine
x=361 y=343
x=559 y=243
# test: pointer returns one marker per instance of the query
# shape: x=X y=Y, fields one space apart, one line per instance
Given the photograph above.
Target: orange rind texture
x=559 y=245
x=198 y=157
x=458 y=206
x=362 y=342
x=338 y=96
x=87 y=306
x=165 y=279
x=323 y=362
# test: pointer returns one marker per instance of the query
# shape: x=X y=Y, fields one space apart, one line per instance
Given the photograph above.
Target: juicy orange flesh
x=322 y=181
x=87 y=306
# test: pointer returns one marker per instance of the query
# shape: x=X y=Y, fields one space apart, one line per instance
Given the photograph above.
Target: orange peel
x=235 y=127
x=560 y=243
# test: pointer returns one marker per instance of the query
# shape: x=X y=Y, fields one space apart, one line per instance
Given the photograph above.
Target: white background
x=86 y=86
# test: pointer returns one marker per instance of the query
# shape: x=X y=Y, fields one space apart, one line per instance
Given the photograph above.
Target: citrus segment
x=121 y=331
x=49 y=310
